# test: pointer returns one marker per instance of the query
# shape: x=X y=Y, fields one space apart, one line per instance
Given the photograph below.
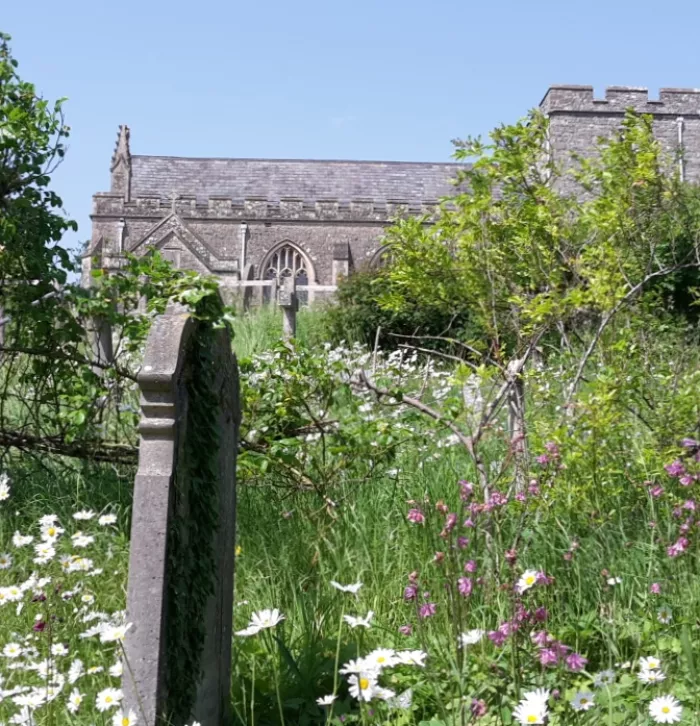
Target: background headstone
x=180 y=590
x=289 y=303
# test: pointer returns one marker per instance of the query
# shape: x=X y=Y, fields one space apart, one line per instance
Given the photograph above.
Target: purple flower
x=689 y=443
x=542 y=459
x=450 y=521
x=686 y=480
x=415 y=516
x=541 y=614
x=552 y=449
x=406 y=629
x=675 y=469
x=465 y=585
x=689 y=505
x=540 y=638
x=427 y=610
x=497 y=499
x=39 y=626
x=533 y=489
x=520 y=497
x=462 y=542
x=410 y=592
x=678 y=547
x=511 y=557
x=575 y=662
x=470 y=566
x=655 y=588
x=478 y=708
x=656 y=491
x=466 y=490
x=496 y=637
x=468 y=523
x=548 y=657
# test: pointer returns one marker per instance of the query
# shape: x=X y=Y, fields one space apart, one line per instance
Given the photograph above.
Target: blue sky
x=309 y=79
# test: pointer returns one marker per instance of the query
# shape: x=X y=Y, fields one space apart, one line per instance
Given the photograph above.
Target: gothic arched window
x=383 y=257
x=286 y=261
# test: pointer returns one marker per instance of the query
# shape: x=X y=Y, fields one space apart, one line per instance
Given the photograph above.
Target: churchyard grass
x=569 y=586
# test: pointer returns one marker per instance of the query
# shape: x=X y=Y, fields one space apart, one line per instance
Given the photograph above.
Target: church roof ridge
x=392 y=162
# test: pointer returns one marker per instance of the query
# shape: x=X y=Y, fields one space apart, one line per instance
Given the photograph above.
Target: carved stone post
x=101 y=342
x=289 y=303
x=181 y=562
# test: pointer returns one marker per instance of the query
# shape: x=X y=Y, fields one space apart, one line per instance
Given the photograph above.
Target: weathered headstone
x=100 y=331
x=289 y=303
x=180 y=592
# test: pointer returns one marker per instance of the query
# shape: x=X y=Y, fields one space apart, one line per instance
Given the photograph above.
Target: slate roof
x=274 y=179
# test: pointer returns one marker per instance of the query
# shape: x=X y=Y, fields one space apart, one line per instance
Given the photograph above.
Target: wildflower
x=582 y=701
x=478 y=708
x=410 y=592
x=347 y=588
x=465 y=585
x=12 y=650
x=355 y=622
x=612 y=581
x=466 y=490
x=526 y=581
x=427 y=610
x=87 y=599
x=108 y=698
x=665 y=709
x=439 y=557
x=678 y=547
x=497 y=637
x=604 y=678
x=470 y=566
x=650 y=663
x=58 y=649
x=51 y=532
x=656 y=491
x=403 y=701
x=75 y=670
x=20 y=540
x=548 y=657
x=380 y=658
x=354 y=666
x=326 y=700
x=411 y=657
x=648 y=677
x=675 y=469
x=84 y=514
x=115 y=633
x=664 y=615
x=93 y=670
x=74 y=700
x=575 y=662
x=44 y=553
x=362 y=685
x=4 y=487
x=655 y=588
x=511 y=557
x=5 y=562
x=415 y=516
x=82 y=540
x=107 y=519
x=121 y=718
x=530 y=712
x=116 y=670
x=406 y=629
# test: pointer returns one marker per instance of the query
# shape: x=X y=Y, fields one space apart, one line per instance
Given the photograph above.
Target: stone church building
x=263 y=219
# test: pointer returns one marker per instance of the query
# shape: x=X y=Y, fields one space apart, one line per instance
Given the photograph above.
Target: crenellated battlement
x=106 y=204
x=580 y=99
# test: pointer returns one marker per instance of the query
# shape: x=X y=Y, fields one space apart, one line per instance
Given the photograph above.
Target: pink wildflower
x=439 y=557
x=410 y=592
x=655 y=588
x=427 y=610
x=678 y=547
x=533 y=488
x=465 y=585
x=542 y=459
x=441 y=507
x=520 y=497
x=496 y=637
x=541 y=614
x=478 y=708
x=416 y=516
x=470 y=566
x=686 y=480
x=576 y=662
x=462 y=542
x=552 y=449
x=450 y=522
x=468 y=523
x=511 y=557
x=466 y=490
x=675 y=469
x=690 y=443
x=656 y=491
x=406 y=629
x=548 y=657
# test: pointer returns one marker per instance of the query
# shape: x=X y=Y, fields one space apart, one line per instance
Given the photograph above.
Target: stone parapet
x=580 y=99
x=320 y=210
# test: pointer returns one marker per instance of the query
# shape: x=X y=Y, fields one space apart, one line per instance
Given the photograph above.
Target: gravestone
x=180 y=591
x=289 y=303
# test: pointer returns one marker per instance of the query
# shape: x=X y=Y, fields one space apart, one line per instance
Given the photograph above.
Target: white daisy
x=411 y=657
x=530 y=712
x=526 y=581
x=12 y=650
x=21 y=540
x=582 y=701
x=107 y=519
x=664 y=615
x=665 y=709
x=108 y=698
x=121 y=718
x=650 y=663
x=612 y=581
x=354 y=666
x=604 y=678
x=5 y=561
x=113 y=633
x=539 y=695
x=58 y=649
x=74 y=700
x=84 y=514
x=363 y=685
x=4 y=487
x=116 y=670
x=471 y=637
x=648 y=677
x=82 y=540
x=51 y=532
x=380 y=658
x=47 y=520
x=326 y=700
x=355 y=622
x=347 y=588
x=266 y=618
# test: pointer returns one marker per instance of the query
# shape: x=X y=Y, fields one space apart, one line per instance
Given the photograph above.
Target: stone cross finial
x=180 y=590
x=173 y=199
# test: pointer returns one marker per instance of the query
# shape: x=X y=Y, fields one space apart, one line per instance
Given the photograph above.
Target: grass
x=585 y=525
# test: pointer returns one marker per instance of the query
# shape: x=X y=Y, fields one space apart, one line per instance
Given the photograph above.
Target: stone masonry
x=257 y=219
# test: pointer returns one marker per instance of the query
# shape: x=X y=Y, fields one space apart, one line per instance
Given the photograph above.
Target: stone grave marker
x=177 y=665
x=289 y=303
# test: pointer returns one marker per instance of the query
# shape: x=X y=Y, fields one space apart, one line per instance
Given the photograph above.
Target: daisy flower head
x=380 y=658
x=82 y=540
x=50 y=532
x=347 y=588
x=604 y=678
x=116 y=670
x=122 y=718
x=527 y=580
x=612 y=581
x=74 y=700
x=266 y=618
x=107 y=519
x=355 y=622
x=20 y=540
x=530 y=712
x=582 y=701
x=326 y=700
x=650 y=663
x=113 y=633
x=411 y=657
x=664 y=615
x=539 y=695
x=363 y=685
x=650 y=677
x=5 y=561
x=108 y=698
x=84 y=515
x=665 y=709
x=12 y=650
x=4 y=487
x=471 y=637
